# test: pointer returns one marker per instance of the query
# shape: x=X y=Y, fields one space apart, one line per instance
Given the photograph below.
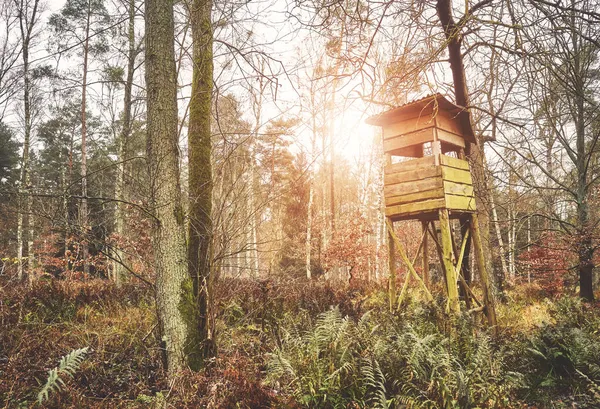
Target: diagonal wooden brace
x=406 y=260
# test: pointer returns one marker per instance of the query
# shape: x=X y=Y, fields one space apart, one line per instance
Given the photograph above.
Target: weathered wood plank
x=414 y=138
x=448 y=122
x=414 y=151
x=415 y=207
x=454 y=162
x=407 y=126
x=424 y=172
x=409 y=165
x=456 y=175
x=404 y=114
x=458 y=189
x=451 y=138
x=406 y=188
x=465 y=203
x=414 y=197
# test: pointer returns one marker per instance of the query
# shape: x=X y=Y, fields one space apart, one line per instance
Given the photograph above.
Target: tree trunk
x=83 y=211
x=200 y=178
x=311 y=194
x=118 y=269
x=584 y=245
x=477 y=157
x=173 y=287
x=253 y=211
x=26 y=235
x=27 y=22
x=257 y=103
x=501 y=246
x=68 y=228
x=65 y=209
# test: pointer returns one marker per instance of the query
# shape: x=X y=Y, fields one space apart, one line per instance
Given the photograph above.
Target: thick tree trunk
x=584 y=247
x=584 y=244
x=118 y=269
x=453 y=35
x=173 y=287
x=200 y=178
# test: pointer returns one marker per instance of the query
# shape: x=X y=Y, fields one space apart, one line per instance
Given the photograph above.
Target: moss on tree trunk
x=200 y=182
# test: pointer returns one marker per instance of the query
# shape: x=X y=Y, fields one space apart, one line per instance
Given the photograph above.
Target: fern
x=375 y=381
x=593 y=387
x=380 y=361
x=68 y=365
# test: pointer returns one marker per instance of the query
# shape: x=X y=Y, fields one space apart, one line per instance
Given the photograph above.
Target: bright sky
x=353 y=138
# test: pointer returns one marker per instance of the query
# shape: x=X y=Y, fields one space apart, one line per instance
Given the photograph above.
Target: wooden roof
x=426 y=106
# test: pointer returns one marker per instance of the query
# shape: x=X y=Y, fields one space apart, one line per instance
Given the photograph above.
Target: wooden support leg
x=392 y=267
x=463 y=288
x=488 y=295
x=425 y=255
x=466 y=265
x=438 y=248
x=460 y=277
x=449 y=262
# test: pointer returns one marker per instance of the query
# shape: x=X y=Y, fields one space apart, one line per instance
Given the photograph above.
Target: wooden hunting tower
x=427 y=178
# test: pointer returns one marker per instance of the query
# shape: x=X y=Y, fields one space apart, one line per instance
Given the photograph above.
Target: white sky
x=353 y=138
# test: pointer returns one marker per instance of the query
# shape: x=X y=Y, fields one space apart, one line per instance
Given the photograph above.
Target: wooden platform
x=417 y=188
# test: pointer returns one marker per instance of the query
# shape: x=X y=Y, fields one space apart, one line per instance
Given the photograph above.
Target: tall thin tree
x=28 y=11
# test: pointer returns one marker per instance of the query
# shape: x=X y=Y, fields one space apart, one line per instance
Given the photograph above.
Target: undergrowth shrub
x=299 y=344
x=51 y=301
x=342 y=362
x=563 y=357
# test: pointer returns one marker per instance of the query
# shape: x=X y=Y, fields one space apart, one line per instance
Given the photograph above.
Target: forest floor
x=293 y=344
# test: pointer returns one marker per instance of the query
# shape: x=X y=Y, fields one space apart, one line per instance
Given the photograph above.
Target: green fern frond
x=374 y=378
x=68 y=365
x=593 y=387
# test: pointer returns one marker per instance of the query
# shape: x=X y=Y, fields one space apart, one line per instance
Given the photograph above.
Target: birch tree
x=28 y=14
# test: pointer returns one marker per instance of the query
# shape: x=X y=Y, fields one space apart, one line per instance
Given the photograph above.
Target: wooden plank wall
x=418 y=186
x=458 y=184
x=407 y=136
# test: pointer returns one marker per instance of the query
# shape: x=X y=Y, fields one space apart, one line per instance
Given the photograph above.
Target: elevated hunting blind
x=427 y=178
x=432 y=134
